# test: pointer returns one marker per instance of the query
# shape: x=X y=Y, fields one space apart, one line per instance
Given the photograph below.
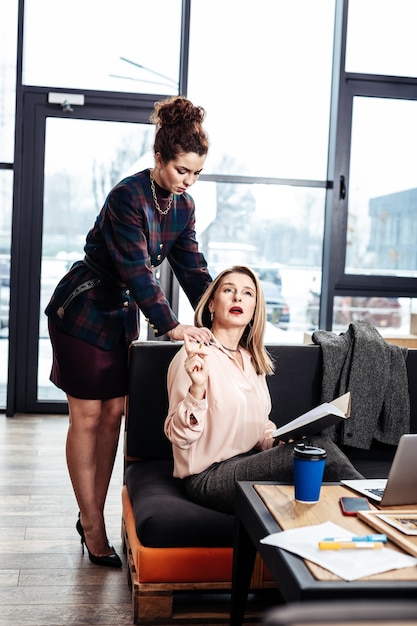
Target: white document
x=348 y=564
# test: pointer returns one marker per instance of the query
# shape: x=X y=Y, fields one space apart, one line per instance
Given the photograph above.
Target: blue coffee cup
x=309 y=462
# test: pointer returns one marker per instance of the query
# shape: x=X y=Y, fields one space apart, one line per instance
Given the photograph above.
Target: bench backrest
x=295 y=388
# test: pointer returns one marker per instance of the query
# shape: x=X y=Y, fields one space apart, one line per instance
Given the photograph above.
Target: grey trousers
x=215 y=486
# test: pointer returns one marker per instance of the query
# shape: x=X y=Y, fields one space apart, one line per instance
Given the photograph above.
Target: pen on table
x=375 y=537
x=350 y=545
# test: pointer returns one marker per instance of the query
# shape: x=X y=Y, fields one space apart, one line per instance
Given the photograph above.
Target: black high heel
x=111 y=560
x=80 y=529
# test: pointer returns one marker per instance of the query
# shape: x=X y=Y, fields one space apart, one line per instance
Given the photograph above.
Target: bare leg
x=91 y=447
x=107 y=440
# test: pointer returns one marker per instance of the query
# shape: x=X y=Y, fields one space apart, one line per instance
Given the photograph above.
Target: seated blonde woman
x=219 y=403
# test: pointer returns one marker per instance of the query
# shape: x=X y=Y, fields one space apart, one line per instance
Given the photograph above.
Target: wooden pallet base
x=155 y=604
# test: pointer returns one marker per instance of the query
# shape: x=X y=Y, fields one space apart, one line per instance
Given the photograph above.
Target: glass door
x=84 y=159
x=81 y=153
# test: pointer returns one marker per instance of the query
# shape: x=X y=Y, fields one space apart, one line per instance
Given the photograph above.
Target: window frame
x=347 y=86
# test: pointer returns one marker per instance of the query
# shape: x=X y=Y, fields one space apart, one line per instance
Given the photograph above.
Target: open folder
x=316 y=420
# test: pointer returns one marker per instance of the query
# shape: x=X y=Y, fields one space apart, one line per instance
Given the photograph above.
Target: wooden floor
x=45 y=580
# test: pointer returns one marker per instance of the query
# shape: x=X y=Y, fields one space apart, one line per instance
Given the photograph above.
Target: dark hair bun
x=179 y=128
x=177 y=110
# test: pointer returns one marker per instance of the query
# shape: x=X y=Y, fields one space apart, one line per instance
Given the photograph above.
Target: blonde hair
x=253 y=335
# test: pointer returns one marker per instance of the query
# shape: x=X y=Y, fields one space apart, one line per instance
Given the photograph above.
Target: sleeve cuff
x=193 y=405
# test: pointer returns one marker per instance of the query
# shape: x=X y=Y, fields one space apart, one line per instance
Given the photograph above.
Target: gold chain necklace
x=155 y=199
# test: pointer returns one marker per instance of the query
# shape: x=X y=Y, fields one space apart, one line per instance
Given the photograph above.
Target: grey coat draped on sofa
x=374 y=371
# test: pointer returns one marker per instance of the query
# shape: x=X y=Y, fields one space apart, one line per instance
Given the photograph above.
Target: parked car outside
x=4 y=290
x=270 y=273
x=277 y=310
x=4 y=307
x=5 y=270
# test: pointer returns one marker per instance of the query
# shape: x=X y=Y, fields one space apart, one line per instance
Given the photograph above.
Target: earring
x=211 y=316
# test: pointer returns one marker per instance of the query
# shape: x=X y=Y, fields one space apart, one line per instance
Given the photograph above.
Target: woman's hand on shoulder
x=199 y=335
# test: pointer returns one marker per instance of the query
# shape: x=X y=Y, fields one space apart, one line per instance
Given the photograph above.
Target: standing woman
x=93 y=314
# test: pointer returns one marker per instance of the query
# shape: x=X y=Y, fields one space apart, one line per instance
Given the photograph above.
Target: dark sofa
x=173 y=544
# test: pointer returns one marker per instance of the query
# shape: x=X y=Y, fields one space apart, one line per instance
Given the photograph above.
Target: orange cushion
x=176 y=565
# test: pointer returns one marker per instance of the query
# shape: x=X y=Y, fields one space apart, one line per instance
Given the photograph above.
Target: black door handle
x=342 y=188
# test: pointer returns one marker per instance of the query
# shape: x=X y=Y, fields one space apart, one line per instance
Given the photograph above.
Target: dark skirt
x=85 y=371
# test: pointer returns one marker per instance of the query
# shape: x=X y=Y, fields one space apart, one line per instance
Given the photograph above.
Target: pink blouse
x=231 y=420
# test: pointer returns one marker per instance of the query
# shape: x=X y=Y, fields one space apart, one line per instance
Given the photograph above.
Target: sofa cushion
x=373 y=463
x=163 y=514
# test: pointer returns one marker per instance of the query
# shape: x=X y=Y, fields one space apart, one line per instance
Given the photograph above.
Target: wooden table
x=266 y=508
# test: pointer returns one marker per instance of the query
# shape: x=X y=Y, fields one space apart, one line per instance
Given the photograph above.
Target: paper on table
x=348 y=564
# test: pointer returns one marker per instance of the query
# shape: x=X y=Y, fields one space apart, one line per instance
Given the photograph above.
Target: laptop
x=400 y=488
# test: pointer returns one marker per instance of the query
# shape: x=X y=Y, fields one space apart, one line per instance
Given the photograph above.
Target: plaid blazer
x=98 y=299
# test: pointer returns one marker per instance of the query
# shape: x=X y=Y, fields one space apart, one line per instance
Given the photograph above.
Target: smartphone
x=350 y=506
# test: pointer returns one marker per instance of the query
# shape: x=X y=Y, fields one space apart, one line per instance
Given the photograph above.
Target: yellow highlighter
x=350 y=545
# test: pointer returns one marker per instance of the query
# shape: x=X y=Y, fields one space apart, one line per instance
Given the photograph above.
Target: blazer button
x=125 y=303
x=161 y=245
x=159 y=257
x=127 y=292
